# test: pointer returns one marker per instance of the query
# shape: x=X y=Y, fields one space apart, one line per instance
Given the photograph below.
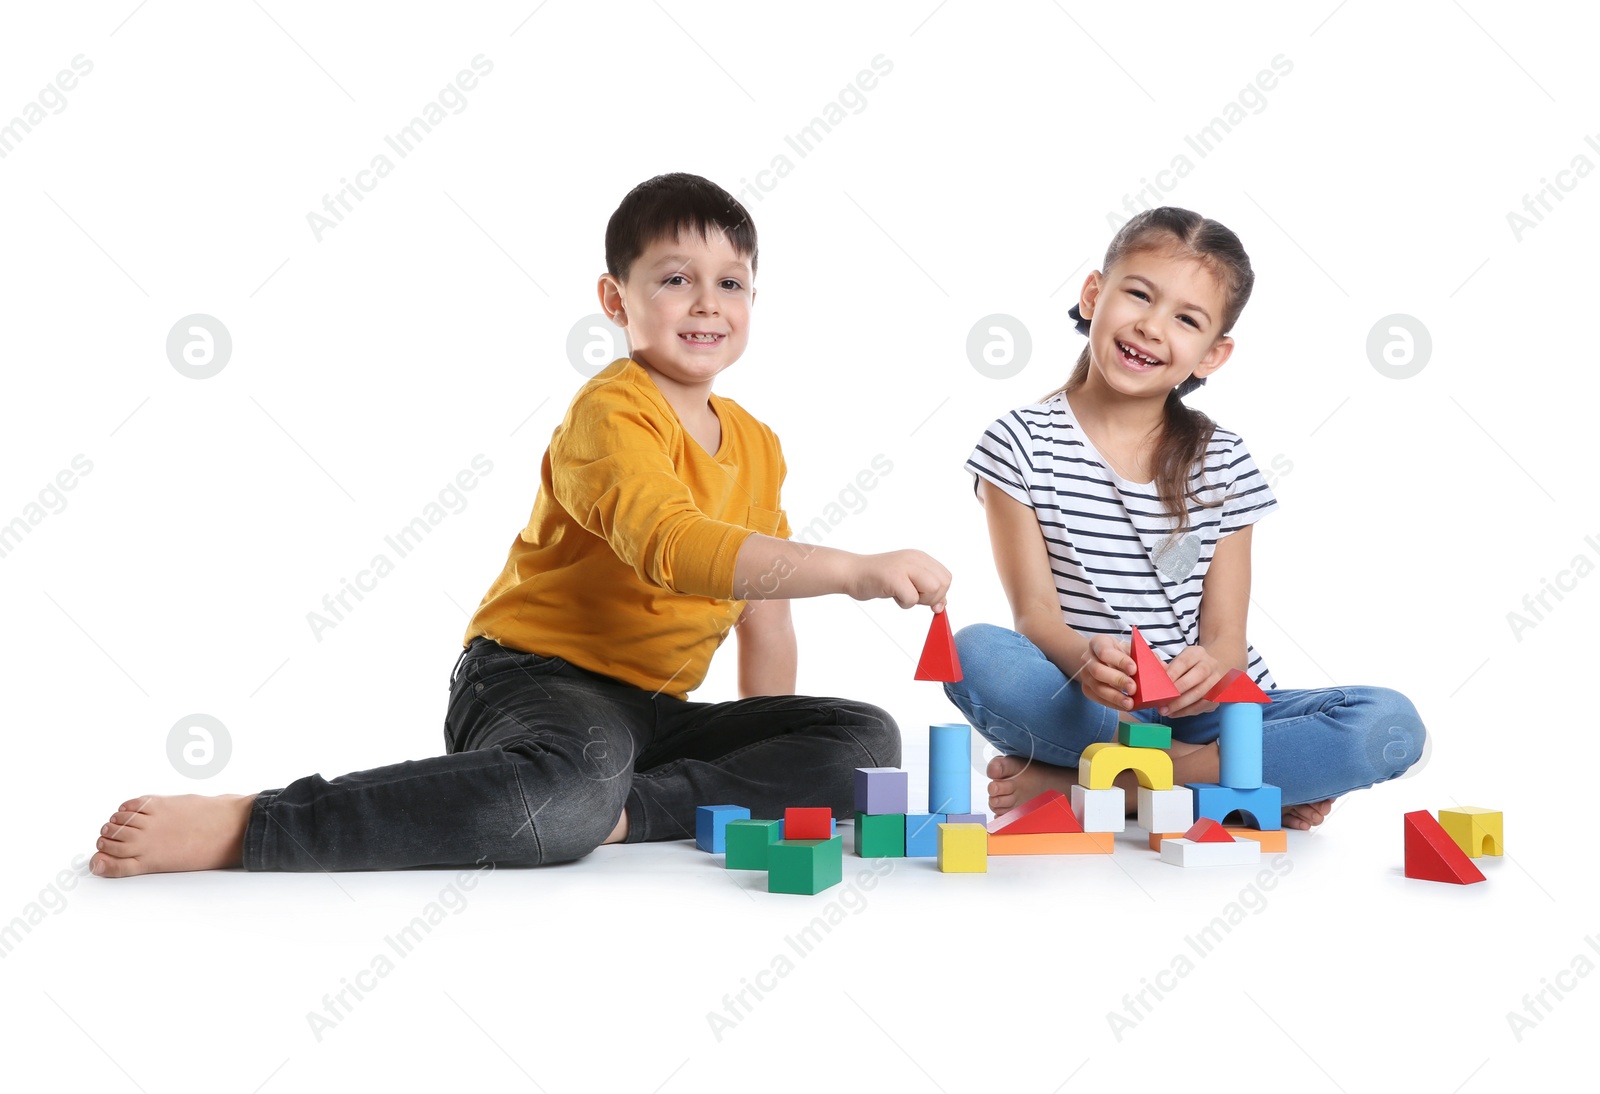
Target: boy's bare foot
x=159 y=834
x=1017 y=779
x=620 y=832
x=1306 y=816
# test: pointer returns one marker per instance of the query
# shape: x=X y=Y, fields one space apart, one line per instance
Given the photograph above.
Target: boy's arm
x=768 y=654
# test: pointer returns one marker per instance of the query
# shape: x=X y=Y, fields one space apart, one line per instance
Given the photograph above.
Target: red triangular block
x=1151 y=684
x=1049 y=812
x=1236 y=687
x=1431 y=855
x=939 y=661
x=1206 y=830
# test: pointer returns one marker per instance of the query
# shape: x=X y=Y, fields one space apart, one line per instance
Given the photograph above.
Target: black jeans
x=543 y=757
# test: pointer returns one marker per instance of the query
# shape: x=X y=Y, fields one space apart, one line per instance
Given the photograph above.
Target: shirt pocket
x=765 y=521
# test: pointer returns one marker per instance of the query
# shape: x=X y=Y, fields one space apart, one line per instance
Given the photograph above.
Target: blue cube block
x=922 y=834
x=711 y=824
x=882 y=790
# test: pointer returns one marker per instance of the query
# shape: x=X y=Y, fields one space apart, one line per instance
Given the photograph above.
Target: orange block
x=1272 y=843
x=1053 y=843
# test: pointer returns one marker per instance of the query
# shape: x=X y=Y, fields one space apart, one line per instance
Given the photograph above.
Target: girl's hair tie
x=1083 y=328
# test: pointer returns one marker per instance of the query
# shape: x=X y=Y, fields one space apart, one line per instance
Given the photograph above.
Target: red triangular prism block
x=939 y=661
x=1151 y=684
x=1236 y=687
x=1431 y=855
x=1049 y=812
x=1206 y=830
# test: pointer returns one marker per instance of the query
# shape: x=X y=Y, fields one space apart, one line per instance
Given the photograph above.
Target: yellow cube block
x=963 y=849
x=1476 y=831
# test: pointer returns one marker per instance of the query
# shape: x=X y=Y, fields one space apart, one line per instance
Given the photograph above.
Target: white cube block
x=1100 y=810
x=1166 y=810
x=1182 y=852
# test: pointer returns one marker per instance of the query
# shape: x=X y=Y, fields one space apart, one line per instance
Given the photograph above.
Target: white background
x=431 y=325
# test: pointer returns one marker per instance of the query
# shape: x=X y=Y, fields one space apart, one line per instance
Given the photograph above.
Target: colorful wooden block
x=882 y=790
x=1151 y=684
x=1053 y=843
x=1431 y=855
x=1261 y=808
x=1166 y=810
x=881 y=835
x=833 y=827
x=922 y=834
x=1237 y=687
x=805 y=866
x=1476 y=831
x=969 y=818
x=747 y=842
x=711 y=822
x=1239 y=746
x=1101 y=763
x=1272 y=843
x=807 y=822
x=950 y=768
x=1100 y=810
x=1184 y=852
x=1206 y=830
x=939 y=661
x=1143 y=734
x=1047 y=812
x=963 y=849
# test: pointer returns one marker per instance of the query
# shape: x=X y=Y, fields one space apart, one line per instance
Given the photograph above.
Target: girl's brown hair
x=1185 y=432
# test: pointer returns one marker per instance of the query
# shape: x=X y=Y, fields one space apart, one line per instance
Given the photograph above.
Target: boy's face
x=686 y=307
x=1162 y=306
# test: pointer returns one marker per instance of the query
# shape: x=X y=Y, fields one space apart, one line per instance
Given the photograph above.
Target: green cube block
x=747 y=842
x=1144 y=735
x=881 y=835
x=805 y=866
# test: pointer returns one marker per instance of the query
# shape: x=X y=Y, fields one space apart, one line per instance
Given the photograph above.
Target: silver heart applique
x=1176 y=559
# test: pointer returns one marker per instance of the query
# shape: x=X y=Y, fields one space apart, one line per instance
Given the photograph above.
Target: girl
x=1111 y=503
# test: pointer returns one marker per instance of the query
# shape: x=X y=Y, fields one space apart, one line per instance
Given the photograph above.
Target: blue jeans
x=1317 y=743
x=545 y=756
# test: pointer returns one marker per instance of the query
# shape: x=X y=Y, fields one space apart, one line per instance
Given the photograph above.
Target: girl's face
x=1154 y=322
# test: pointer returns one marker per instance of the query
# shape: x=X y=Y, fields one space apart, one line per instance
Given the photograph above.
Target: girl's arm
x=1024 y=566
x=1224 y=606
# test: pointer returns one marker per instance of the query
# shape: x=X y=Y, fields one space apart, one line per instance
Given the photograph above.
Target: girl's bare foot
x=1306 y=816
x=156 y=834
x=1017 y=779
x=620 y=832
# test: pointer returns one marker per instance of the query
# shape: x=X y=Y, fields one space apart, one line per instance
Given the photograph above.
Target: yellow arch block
x=1103 y=761
x=1476 y=831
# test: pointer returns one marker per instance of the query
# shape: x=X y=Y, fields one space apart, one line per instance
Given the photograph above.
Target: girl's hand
x=1107 y=673
x=907 y=577
x=1194 y=672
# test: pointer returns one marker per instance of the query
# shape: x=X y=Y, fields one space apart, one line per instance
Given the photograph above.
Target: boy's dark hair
x=1185 y=432
x=667 y=205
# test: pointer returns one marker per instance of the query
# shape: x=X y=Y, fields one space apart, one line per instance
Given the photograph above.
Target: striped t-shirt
x=1110 y=541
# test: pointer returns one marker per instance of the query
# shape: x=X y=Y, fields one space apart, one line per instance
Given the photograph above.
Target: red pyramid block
x=1206 y=830
x=1236 y=687
x=1431 y=855
x=1050 y=812
x=939 y=661
x=1151 y=684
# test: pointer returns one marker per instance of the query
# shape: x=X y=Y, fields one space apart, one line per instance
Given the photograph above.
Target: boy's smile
x=1154 y=313
x=686 y=307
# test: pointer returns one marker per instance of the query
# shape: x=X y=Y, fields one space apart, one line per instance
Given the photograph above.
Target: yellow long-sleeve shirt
x=626 y=564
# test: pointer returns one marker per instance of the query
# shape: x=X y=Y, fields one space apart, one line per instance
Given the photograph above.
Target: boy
x=657 y=517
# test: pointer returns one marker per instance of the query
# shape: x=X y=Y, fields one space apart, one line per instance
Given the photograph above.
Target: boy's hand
x=1107 y=673
x=1194 y=672
x=907 y=577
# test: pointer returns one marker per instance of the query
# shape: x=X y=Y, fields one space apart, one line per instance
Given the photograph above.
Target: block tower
x=1241 y=789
